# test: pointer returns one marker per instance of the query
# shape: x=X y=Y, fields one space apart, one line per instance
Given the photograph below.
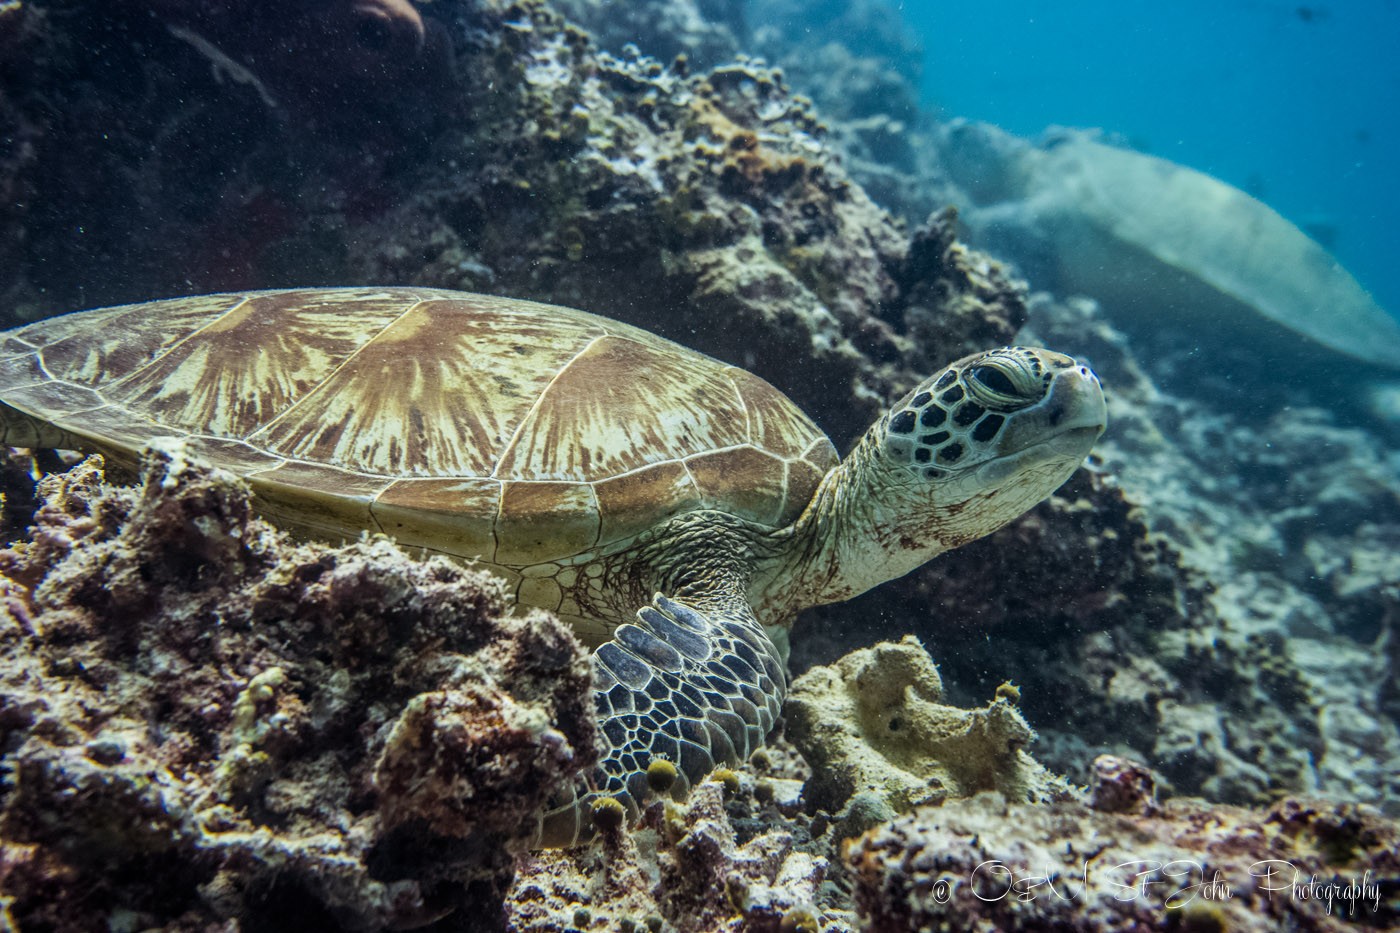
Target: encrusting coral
x=696 y=867
x=204 y=723
x=875 y=723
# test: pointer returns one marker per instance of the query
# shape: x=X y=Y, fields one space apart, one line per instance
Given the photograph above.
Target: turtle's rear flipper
x=697 y=689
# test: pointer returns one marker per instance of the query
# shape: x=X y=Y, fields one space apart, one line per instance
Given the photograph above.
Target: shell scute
x=803 y=477
x=23 y=370
x=773 y=422
x=457 y=516
x=59 y=398
x=11 y=345
x=544 y=521
x=437 y=392
x=741 y=479
x=318 y=499
x=131 y=338
x=632 y=503
x=251 y=363
x=619 y=405
x=238 y=456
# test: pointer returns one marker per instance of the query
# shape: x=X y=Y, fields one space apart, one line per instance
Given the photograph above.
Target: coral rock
x=690 y=868
x=208 y=725
x=984 y=865
x=875 y=723
x=1122 y=786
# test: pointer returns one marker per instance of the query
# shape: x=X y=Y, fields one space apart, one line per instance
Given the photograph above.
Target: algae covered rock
x=875 y=725
x=208 y=724
x=984 y=865
x=702 y=866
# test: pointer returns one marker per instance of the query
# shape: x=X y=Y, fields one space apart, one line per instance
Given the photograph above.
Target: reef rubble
x=1121 y=861
x=696 y=867
x=206 y=724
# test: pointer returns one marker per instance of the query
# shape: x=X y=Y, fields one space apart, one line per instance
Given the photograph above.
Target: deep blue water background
x=1298 y=104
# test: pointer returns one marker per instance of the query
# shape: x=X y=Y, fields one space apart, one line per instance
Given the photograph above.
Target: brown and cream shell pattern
x=510 y=431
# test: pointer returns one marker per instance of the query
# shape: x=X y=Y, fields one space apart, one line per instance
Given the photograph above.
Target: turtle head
x=1006 y=423
x=961 y=455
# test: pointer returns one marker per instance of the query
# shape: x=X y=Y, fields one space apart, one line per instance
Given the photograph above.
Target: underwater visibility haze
x=699 y=465
x=1293 y=103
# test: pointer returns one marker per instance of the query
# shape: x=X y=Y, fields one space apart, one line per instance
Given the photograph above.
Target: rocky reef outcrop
x=1121 y=861
x=205 y=724
x=706 y=865
x=1275 y=678
x=760 y=848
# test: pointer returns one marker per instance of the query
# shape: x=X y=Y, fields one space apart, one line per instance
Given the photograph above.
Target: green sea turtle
x=1160 y=243
x=673 y=508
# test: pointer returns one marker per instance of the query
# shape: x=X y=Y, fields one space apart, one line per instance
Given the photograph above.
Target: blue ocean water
x=1296 y=103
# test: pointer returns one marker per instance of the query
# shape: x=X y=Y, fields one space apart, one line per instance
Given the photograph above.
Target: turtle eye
x=1002 y=382
x=994 y=379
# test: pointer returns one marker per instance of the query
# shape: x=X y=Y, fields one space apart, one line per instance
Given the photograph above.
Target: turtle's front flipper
x=697 y=689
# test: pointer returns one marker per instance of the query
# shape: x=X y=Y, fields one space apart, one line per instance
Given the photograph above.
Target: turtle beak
x=1075 y=401
x=1069 y=418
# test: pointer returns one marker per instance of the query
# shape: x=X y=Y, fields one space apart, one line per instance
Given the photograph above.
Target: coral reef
x=705 y=33
x=1212 y=596
x=852 y=57
x=704 y=207
x=759 y=850
x=985 y=864
x=875 y=723
x=1058 y=603
x=1215 y=596
x=204 y=723
x=863 y=69
x=167 y=141
x=1277 y=680
x=708 y=865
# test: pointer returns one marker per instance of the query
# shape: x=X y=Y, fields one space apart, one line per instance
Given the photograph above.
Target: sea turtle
x=673 y=508
x=1151 y=238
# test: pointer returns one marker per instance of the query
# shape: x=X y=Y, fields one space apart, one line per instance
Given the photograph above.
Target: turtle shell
x=514 y=432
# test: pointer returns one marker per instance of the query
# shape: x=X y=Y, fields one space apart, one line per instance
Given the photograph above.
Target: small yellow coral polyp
x=608 y=814
x=661 y=775
x=262 y=689
x=726 y=779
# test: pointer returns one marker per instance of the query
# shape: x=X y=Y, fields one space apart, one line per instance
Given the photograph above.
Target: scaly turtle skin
x=673 y=508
